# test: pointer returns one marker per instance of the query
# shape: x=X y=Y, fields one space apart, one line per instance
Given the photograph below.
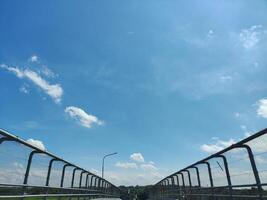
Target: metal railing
x=23 y=176
x=236 y=172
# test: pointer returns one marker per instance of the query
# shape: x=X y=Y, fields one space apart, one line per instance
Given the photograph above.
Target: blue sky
x=163 y=83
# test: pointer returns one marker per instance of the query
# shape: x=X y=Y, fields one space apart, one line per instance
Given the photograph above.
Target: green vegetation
x=134 y=193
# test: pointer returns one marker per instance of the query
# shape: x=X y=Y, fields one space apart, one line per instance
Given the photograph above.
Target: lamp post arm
x=103 y=162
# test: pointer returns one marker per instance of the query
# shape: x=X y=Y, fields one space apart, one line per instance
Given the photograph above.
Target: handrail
x=111 y=190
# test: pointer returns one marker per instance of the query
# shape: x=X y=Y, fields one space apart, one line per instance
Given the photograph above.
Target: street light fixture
x=103 y=162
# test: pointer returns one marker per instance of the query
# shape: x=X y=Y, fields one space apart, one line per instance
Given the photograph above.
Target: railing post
x=29 y=166
x=189 y=180
x=63 y=174
x=189 y=177
x=198 y=177
x=172 y=186
x=87 y=180
x=178 y=184
x=49 y=171
x=73 y=176
x=91 y=181
x=96 y=179
x=184 y=190
x=227 y=175
x=81 y=177
x=168 y=187
x=210 y=177
x=254 y=167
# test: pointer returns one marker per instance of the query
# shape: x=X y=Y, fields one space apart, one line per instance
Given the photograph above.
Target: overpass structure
x=236 y=172
x=29 y=172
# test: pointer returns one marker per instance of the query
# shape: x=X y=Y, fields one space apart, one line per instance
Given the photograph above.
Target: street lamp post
x=103 y=162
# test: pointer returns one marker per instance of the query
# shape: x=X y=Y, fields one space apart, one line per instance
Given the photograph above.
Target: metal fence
x=237 y=172
x=28 y=172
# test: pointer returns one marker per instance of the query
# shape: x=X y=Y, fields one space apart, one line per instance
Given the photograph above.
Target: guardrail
x=236 y=172
x=28 y=172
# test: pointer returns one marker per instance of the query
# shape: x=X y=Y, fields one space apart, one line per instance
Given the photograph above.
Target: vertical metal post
x=189 y=177
x=177 y=179
x=73 y=176
x=198 y=177
x=87 y=180
x=189 y=180
x=172 y=186
x=210 y=177
x=178 y=184
x=103 y=162
x=63 y=174
x=167 y=187
x=227 y=174
x=184 y=190
x=104 y=186
x=29 y=166
x=81 y=178
x=254 y=168
x=98 y=183
x=91 y=182
x=96 y=179
x=49 y=171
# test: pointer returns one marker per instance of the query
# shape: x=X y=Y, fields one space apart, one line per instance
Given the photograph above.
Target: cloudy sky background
x=163 y=83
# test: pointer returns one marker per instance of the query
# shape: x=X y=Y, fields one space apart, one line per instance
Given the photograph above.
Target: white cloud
x=53 y=90
x=33 y=58
x=225 y=78
x=24 y=89
x=126 y=165
x=14 y=70
x=245 y=129
x=95 y=171
x=217 y=146
x=37 y=143
x=135 y=177
x=149 y=167
x=260 y=160
x=237 y=114
x=262 y=108
x=82 y=117
x=151 y=162
x=250 y=37
x=210 y=34
x=138 y=157
x=47 y=72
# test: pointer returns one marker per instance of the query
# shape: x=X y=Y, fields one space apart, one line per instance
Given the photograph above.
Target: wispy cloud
x=24 y=89
x=251 y=37
x=247 y=133
x=138 y=172
x=138 y=157
x=135 y=177
x=82 y=117
x=148 y=167
x=95 y=171
x=55 y=91
x=37 y=143
x=262 y=108
x=47 y=72
x=33 y=58
x=210 y=34
x=237 y=114
x=126 y=165
x=217 y=145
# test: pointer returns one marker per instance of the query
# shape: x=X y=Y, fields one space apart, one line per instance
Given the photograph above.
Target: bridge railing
x=236 y=172
x=30 y=172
